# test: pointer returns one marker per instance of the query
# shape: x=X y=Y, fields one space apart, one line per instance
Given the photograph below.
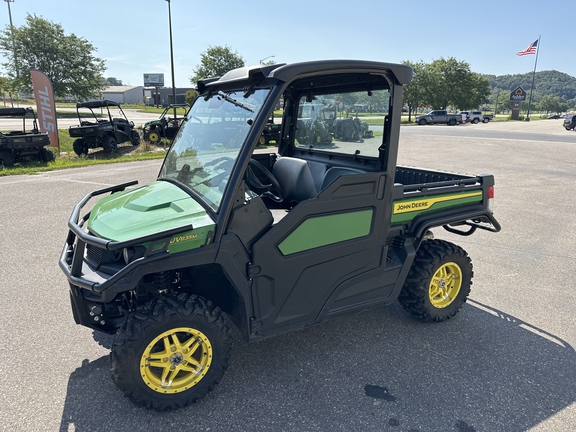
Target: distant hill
x=550 y=82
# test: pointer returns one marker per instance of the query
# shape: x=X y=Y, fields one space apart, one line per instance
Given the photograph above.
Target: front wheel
x=135 y=138
x=152 y=136
x=422 y=122
x=439 y=281
x=475 y=121
x=172 y=352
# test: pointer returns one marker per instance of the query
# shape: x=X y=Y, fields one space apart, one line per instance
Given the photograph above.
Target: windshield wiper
x=234 y=101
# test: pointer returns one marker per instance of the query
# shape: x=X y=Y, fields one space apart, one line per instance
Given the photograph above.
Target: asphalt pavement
x=506 y=362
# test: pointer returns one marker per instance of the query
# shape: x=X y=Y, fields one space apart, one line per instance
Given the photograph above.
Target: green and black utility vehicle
x=165 y=126
x=102 y=132
x=22 y=145
x=269 y=241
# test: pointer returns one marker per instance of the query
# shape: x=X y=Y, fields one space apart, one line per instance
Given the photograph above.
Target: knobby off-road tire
x=6 y=158
x=152 y=136
x=135 y=138
x=439 y=281
x=46 y=155
x=171 y=352
x=80 y=147
x=109 y=144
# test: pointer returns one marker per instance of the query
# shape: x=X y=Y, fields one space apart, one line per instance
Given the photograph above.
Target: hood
x=147 y=210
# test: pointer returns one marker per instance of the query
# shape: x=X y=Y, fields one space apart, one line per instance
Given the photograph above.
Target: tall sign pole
x=533 y=77
x=172 y=58
x=14 y=49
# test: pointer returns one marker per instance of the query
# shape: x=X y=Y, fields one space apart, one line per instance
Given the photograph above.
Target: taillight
x=490 y=198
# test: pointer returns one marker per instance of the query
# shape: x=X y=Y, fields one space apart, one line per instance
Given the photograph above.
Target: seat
x=297 y=179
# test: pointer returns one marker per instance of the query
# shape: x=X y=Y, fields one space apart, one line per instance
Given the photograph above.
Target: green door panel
x=325 y=230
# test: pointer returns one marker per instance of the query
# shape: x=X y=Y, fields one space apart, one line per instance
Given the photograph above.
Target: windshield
x=206 y=147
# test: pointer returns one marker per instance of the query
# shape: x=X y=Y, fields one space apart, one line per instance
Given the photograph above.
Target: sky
x=133 y=36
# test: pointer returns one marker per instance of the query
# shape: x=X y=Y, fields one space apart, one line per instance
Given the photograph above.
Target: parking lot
x=506 y=362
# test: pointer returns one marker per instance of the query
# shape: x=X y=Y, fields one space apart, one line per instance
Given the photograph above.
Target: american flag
x=530 y=50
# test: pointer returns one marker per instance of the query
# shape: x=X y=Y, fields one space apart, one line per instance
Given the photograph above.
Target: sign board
x=45 y=106
x=518 y=95
x=153 y=80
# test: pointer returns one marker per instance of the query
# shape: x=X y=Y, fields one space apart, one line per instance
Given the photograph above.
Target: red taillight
x=490 y=198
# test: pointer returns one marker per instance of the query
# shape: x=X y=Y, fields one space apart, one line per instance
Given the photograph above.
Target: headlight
x=128 y=254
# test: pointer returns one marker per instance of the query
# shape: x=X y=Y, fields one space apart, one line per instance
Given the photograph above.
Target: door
x=327 y=254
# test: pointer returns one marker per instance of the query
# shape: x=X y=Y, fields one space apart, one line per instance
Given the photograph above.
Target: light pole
x=172 y=58
x=266 y=58
x=13 y=44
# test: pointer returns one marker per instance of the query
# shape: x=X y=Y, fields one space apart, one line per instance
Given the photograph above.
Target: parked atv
x=20 y=146
x=164 y=127
x=99 y=132
x=348 y=129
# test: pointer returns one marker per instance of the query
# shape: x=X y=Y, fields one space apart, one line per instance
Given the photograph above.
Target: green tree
x=215 y=62
x=414 y=93
x=190 y=96
x=453 y=84
x=550 y=103
x=113 y=81
x=67 y=60
x=6 y=86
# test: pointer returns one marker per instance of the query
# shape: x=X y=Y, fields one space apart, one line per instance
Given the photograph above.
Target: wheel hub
x=176 y=360
x=445 y=285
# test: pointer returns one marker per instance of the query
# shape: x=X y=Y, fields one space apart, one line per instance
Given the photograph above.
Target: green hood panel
x=156 y=207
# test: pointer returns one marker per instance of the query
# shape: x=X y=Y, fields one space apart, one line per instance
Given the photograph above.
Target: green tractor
x=164 y=127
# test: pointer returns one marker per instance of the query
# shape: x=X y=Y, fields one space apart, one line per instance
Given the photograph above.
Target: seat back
x=296 y=179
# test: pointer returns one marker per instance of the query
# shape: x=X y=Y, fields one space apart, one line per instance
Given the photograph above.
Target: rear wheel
x=6 y=158
x=486 y=120
x=452 y=122
x=80 y=147
x=109 y=144
x=172 y=352
x=46 y=155
x=439 y=281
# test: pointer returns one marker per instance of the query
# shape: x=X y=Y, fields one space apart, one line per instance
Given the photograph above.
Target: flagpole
x=533 y=77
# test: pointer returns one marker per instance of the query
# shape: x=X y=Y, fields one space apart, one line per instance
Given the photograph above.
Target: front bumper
x=102 y=286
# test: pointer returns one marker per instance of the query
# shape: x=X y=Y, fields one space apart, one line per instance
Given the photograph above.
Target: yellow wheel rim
x=154 y=137
x=445 y=285
x=262 y=140
x=176 y=360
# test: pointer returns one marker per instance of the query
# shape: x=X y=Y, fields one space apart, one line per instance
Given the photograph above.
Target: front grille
x=93 y=254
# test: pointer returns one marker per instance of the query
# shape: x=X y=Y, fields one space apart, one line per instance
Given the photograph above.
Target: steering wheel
x=273 y=190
